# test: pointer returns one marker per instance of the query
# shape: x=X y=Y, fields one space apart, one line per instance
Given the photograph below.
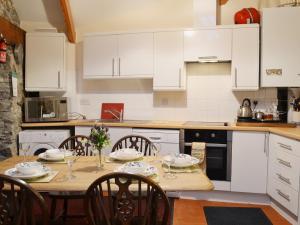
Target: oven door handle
x=212 y=145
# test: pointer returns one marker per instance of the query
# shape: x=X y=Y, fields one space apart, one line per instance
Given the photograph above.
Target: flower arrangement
x=99 y=137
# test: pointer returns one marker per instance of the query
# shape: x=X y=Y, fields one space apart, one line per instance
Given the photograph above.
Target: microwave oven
x=46 y=109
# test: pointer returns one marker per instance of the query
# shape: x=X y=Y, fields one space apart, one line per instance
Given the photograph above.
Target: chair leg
x=65 y=212
x=53 y=208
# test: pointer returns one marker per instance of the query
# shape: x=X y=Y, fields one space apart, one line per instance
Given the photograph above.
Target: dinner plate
x=44 y=156
x=126 y=154
x=13 y=172
x=183 y=160
x=139 y=168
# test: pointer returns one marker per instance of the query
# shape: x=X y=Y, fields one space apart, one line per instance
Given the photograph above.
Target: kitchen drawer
x=283 y=194
x=159 y=135
x=285 y=144
x=284 y=167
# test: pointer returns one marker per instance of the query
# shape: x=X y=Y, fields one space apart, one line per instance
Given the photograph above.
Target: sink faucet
x=118 y=115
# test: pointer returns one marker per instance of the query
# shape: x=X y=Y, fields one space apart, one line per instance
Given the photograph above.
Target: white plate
x=183 y=160
x=139 y=168
x=126 y=154
x=13 y=172
x=44 y=156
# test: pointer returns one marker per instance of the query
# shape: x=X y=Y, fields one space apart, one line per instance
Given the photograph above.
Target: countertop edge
x=293 y=133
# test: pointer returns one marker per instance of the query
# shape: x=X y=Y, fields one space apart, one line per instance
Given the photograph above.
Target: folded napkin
x=190 y=169
x=198 y=151
x=52 y=162
x=45 y=179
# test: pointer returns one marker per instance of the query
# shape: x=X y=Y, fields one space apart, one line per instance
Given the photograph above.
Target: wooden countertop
x=85 y=171
x=156 y=124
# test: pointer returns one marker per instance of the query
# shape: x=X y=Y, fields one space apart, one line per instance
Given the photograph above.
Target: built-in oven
x=218 y=150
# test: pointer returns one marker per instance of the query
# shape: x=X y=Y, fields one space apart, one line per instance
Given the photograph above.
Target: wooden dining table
x=86 y=171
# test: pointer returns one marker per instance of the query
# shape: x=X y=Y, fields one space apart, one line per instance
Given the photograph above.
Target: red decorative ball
x=247 y=15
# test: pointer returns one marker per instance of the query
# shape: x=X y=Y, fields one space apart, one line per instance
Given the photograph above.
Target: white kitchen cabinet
x=245 y=58
x=207 y=44
x=169 y=72
x=249 y=162
x=45 y=62
x=115 y=133
x=280 y=65
x=167 y=141
x=100 y=53
x=118 y=56
x=136 y=54
x=283 y=171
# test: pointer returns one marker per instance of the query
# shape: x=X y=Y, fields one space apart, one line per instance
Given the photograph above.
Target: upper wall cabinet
x=207 y=45
x=245 y=57
x=100 y=53
x=118 y=56
x=45 y=62
x=169 y=65
x=280 y=65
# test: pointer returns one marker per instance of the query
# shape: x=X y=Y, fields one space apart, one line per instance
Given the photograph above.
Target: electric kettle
x=245 y=110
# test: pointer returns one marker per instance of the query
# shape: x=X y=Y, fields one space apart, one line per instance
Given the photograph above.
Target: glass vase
x=99 y=158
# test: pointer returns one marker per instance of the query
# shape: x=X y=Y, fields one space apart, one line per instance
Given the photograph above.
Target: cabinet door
x=100 y=56
x=245 y=58
x=135 y=55
x=169 y=66
x=45 y=70
x=207 y=44
x=281 y=47
x=249 y=162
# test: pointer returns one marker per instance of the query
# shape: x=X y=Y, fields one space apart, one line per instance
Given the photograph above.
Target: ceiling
x=98 y=15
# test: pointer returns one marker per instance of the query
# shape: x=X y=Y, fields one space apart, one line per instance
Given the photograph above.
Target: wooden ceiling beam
x=12 y=33
x=65 y=7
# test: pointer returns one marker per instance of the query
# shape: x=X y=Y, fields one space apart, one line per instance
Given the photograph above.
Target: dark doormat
x=235 y=216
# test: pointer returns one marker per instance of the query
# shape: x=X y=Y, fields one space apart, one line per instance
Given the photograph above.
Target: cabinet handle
x=285 y=196
x=235 y=77
x=179 y=82
x=208 y=57
x=119 y=66
x=298 y=74
x=155 y=138
x=288 y=147
x=285 y=163
x=286 y=180
x=58 y=79
x=266 y=148
x=113 y=66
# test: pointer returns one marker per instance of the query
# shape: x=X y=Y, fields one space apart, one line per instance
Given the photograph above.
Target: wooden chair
x=81 y=145
x=126 y=199
x=138 y=142
x=19 y=203
x=78 y=143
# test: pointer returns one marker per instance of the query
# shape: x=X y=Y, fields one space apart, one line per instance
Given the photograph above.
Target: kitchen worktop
x=287 y=132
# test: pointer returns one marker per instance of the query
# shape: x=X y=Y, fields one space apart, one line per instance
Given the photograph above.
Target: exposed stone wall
x=10 y=107
x=7 y=10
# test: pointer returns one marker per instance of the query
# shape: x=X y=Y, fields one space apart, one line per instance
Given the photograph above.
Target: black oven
x=218 y=150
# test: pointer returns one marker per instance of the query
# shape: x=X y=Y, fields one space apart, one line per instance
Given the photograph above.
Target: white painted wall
x=208 y=97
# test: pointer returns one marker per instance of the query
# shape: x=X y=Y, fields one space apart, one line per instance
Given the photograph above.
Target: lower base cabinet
x=167 y=141
x=284 y=171
x=249 y=162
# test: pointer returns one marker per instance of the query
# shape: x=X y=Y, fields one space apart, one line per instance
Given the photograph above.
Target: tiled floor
x=189 y=212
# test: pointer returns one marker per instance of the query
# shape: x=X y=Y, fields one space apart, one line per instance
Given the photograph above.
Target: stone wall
x=10 y=107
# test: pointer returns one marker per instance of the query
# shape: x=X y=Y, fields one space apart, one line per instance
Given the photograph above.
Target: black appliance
x=218 y=150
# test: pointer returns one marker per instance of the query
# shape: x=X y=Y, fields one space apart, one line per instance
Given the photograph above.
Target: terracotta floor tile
x=190 y=212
